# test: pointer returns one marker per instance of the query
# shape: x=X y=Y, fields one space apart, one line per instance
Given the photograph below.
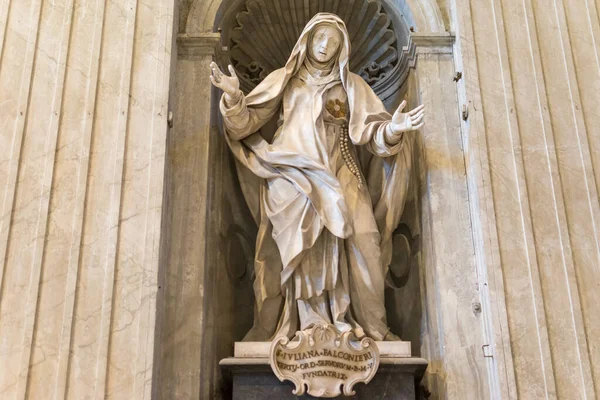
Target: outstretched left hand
x=402 y=122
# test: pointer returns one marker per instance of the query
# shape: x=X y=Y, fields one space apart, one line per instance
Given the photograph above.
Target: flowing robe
x=323 y=245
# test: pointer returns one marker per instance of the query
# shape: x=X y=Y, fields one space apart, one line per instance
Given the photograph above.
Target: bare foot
x=390 y=337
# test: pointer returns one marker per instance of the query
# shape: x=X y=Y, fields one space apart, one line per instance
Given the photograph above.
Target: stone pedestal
x=253 y=379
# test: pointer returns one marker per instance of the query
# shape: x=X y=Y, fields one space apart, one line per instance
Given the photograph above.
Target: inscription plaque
x=324 y=362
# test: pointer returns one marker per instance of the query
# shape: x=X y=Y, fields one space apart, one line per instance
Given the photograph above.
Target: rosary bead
x=347 y=155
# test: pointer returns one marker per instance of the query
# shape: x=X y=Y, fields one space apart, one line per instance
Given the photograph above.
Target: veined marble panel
x=83 y=122
x=531 y=77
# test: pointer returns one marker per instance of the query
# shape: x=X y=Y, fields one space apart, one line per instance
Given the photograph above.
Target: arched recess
x=423 y=15
x=199 y=319
x=252 y=35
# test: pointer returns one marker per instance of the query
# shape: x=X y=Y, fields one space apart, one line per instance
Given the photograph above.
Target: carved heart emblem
x=336 y=108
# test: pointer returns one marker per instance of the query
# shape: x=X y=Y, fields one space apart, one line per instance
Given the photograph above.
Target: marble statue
x=327 y=190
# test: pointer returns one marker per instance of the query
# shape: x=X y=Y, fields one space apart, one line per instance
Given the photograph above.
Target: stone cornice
x=198 y=44
x=441 y=42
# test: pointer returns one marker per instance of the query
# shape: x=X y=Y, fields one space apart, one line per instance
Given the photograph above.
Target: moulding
x=441 y=42
x=200 y=44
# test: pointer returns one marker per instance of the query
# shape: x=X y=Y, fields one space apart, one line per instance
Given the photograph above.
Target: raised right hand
x=410 y=121
x=229 y=84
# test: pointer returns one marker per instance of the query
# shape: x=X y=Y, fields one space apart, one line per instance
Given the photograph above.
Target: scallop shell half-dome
x=265 y=31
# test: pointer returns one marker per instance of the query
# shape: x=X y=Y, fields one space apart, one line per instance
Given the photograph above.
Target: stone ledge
x=252 y=379
x=406 y=365
x=433 y=43
x=198 y=45
x=433 y=39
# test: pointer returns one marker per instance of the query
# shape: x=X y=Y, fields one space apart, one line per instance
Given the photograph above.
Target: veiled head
x=325 y=43
x=323 y=46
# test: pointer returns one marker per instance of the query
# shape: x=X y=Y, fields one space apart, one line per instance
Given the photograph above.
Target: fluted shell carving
x=266 y=30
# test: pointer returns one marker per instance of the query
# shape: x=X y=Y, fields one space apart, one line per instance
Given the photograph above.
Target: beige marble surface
x=208 y=238
x=531 y=79
x=83 y=108
x=453 y=335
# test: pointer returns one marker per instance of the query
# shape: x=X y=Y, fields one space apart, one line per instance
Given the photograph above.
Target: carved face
x=326 y=41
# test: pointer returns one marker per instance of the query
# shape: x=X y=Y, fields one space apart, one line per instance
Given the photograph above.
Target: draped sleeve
x=243 y=120
x=369 y=120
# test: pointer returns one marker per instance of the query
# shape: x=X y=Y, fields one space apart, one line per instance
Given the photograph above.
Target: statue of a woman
x=325 y=211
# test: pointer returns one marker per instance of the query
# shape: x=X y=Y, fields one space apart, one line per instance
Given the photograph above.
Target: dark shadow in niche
x=402 y=296
x=239 y=250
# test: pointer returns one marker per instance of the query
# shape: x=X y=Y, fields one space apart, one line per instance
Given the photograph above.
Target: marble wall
x=87 y=309
x=83 y=121
x=206 y=301
x=452 y=329
x=531 y=80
